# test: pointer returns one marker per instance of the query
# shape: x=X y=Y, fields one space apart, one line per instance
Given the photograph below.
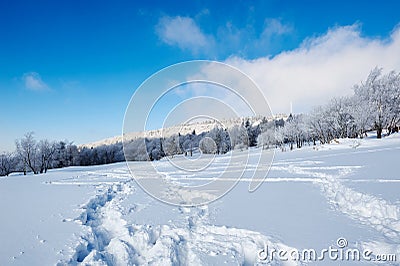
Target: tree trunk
x=379 y=133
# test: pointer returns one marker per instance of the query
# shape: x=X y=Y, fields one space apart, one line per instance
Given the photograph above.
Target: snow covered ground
x=312 y=197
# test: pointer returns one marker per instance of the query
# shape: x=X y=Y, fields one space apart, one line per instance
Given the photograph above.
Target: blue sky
x=69 y=68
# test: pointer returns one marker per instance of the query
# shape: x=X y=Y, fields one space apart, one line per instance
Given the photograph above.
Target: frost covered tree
x=28 y=153
x=381 y=94
x=340 y=119
x=154 y=148
x=267 y=136
x=110 y=153
x=361 y=114
x=135 y=150
x=294 y=131
x=238 y=136
x=208 y=146
x=319 y=125
x=225 y=145
x=66 y=154
x=279 y=137
x=221 y=139
x=392 y=83
x=35 y=156
x=8 y=163
x=171 y=146
x=216 y=137
x=45 y=151
x=189 y=143
x=252 y=133
x=266 y=139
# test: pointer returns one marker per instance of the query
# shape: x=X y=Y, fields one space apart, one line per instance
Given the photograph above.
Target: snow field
x=99 y=216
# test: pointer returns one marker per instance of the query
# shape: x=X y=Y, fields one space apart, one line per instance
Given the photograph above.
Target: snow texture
x=98 y=215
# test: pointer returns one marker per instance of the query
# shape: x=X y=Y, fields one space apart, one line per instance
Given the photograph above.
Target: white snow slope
x=311 y=198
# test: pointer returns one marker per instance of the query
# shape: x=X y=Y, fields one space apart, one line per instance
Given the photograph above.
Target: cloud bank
x=321 y=68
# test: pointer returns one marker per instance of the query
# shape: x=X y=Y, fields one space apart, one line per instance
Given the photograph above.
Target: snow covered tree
x=294 y=133
x=8 y=163
x=381 y=93
x=28 y=153
x=252 y=133
x=392 y=83
x=136 y=150
x=361 y=114
x=342 y=121
x=109 y=153
x=225 y=145
x=154 y=148
x=45 y=151
x=208 y=146
x=319 y=126
x=171 y=145
x=238 y=136
x=221 y=139
x=266 y=139
x=60 y=156
x=189 y=142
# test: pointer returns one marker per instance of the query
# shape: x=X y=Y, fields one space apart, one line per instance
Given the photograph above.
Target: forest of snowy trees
x=216 y=141
x=374 y=105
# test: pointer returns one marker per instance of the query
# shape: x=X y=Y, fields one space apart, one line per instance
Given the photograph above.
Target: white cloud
x=275 y=26
x=248 y=42
x=227 y=39
x=321 y=68
x=275 y=32
x=184 y=33
x=34 y=82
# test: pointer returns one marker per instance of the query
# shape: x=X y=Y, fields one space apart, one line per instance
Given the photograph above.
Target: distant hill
x=183 y=129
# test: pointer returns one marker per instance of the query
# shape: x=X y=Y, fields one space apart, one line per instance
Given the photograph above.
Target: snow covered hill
x=343 y=195
x=183 y=129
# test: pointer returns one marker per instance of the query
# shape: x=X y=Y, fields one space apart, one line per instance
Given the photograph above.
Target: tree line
x=218 y=140
x=39 y=156
x=374 y=105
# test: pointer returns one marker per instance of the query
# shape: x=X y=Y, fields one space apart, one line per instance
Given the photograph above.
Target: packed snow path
x=111 y=240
